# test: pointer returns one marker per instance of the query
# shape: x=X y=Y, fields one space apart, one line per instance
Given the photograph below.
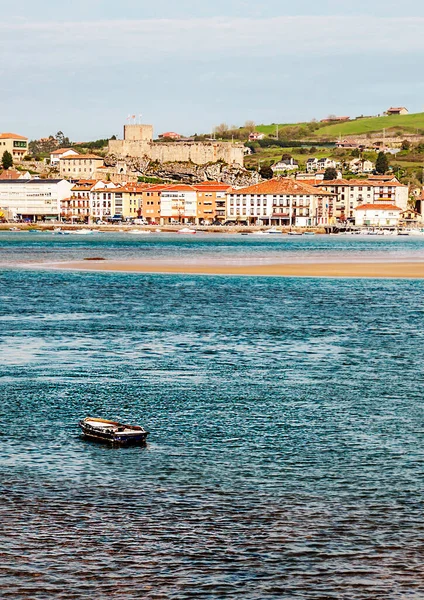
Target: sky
x=83 y=66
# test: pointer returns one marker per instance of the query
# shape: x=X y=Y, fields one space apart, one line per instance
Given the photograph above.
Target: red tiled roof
x=9 y=174
x=82 y=157
x=12 y=136
x=281 y=186
x=379 y=206
x=63 y=150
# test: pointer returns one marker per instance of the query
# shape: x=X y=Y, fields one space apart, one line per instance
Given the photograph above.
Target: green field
x=403 y=123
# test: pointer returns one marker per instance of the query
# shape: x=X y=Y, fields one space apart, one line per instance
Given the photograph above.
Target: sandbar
x=395 y=270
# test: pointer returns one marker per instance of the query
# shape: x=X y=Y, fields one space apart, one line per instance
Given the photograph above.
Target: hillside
x=407 y=124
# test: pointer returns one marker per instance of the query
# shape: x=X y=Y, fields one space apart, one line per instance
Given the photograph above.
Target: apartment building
x=82 y=166
x=56 y=155
x=211 y=201
x=281 y=202
x=33 y=199
x=377 y=215
x=178 y=204
x=354 y=192
x=77 y=206
x=16 y=144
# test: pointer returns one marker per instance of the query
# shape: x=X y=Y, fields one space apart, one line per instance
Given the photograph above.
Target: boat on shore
x=140 y=231
x=186 y=230
x=113 y=432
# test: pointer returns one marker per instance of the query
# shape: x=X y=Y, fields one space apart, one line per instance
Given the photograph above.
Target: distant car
x=230 y=224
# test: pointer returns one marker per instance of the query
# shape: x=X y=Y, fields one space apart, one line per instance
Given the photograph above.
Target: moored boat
x=186 y=230
x=112 y=431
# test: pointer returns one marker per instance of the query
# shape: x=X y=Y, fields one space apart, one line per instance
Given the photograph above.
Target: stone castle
x=138 y=143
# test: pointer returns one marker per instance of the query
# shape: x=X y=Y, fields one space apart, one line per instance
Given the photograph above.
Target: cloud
x=144 y=41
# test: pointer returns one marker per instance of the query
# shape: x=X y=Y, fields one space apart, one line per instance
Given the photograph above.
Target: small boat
x=309 y=233
x=59 y=231
x=140 y=232
x=83 y=232
x=112 y=431
x=14 y=229
x=186 y=230
x=273 y=231
x=260 y=232
x=294 y=233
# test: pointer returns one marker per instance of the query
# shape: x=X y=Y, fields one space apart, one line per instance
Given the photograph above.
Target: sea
x=285 y=457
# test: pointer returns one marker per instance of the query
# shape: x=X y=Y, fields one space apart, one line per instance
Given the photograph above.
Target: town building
x=16 y=144
x=211 y=201
x=256 y=136
x=377 y=215
x=170 y=135
x=56 y=155
x=77 y=206
x=281 y=202
x=178 y=204
x=397 y=110
x=288 y=164
x=354 y=192
x=12 y=174
x=320 y=164
x=359 y=165
x=33 y=199
x=82 y=166
x=103 y=202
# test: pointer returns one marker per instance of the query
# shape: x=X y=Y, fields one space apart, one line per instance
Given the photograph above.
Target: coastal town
x=71 y=186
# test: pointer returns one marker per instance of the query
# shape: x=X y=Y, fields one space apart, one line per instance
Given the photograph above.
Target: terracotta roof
x=212 y=187
x=63 y=150
x=12 y=136
x=10 y=174
x=379 y=206
x=180 y=188
x=281 y=186
x=82 y=157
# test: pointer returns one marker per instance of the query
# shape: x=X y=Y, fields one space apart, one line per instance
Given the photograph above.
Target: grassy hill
x=408 y=124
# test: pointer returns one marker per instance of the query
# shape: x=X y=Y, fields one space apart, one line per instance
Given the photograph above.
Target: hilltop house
x=320 y=164
x=288 y=164
x=56 y=155
x=397 y=110
x=255 y=136
x=358 y=165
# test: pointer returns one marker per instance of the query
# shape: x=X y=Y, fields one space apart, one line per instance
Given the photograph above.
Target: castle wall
x=199 y=153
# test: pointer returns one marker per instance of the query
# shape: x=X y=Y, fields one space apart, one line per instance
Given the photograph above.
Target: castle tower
x=138 y=133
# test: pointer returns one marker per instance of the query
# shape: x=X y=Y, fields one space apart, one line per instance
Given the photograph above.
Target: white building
x=102 y=200
x=281 y=202
x=56 y=155
x=358 y=165
x=354 y=192
x=179 y=203
x=377 y=215
x=282 y=166
x=33 y=199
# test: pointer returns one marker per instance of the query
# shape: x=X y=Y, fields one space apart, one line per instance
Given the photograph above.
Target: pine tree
x=7 y=160
x=382 y=163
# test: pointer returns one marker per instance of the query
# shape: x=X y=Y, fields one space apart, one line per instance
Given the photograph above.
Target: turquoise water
x=286 y=451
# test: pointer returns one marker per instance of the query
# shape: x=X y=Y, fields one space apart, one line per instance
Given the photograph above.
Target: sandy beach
x=397 y=270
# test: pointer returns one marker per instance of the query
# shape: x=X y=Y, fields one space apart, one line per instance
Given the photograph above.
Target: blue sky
x=83 y=66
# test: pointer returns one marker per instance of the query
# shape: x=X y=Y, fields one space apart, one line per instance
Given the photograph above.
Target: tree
x=286 y=156
x=266 y=172
x=250 y=126
x=61 y=140
x=313 y=150
x=382 y=163
x=7 y=160
x=330 y=174
x=221 y=130
x=406 y=145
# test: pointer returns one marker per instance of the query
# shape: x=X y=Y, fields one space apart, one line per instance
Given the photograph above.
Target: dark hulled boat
x=112 y=431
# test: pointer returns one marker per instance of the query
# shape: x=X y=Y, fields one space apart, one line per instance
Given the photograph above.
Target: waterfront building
x=281 y=202
x=211 y=201
x=77 y=206
x=354 y=192
x=16 y=144
x=377 y=215
x=33 y=199
x=81 y=166
x=178 y=204
x=103 y=203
